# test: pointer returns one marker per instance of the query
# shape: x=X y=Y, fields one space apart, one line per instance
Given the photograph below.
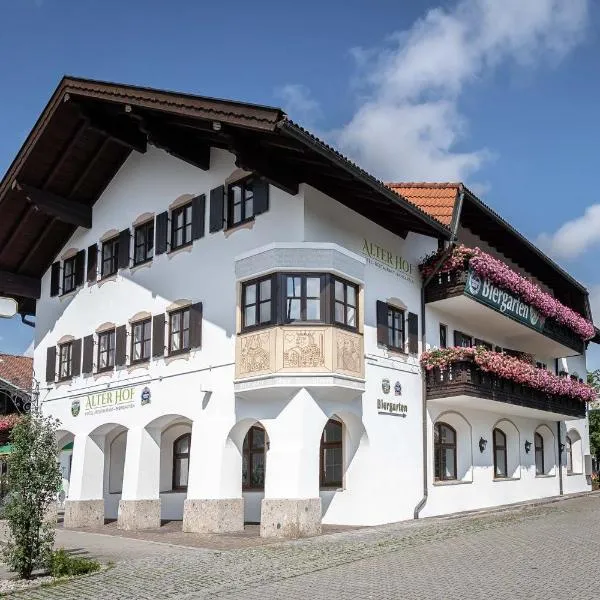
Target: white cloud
x=574 y=237
x=299 y=104
x=408 y=125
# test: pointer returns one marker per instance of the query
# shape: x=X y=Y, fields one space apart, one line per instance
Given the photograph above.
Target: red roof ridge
x=424 y=184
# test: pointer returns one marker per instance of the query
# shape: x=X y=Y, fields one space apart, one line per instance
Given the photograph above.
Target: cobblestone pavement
x=547 y=551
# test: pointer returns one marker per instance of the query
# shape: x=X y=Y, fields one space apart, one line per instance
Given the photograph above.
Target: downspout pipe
x=560 y=452
x=453 y=239
x=26 y=321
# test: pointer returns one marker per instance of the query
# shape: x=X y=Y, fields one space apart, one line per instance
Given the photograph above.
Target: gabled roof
x=16 y=370
x=436 y=199
x=441 y=201
x=89 y=128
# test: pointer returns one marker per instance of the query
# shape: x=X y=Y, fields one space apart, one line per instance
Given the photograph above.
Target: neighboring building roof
x=16 y=370
x=88 y=130
x=436 y=199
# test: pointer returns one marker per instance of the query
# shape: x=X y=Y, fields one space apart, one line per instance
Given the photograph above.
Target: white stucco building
x=229 y=320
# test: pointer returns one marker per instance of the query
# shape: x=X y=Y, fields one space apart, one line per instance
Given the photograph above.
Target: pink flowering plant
x=462 y=258
x=511 y=368
x=7 y=422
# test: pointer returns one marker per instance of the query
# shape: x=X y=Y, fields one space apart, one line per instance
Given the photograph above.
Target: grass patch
x=62 y=564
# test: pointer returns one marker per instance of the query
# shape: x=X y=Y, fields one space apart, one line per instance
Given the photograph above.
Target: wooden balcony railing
x=449 y=285
x=465 y=378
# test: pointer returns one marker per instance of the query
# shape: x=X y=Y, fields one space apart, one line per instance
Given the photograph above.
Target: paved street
x=546 y=552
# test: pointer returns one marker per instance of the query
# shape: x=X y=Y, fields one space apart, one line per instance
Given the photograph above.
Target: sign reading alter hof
x=391 y=262
x=484 y=291
x=391 y=408
x=107 y=401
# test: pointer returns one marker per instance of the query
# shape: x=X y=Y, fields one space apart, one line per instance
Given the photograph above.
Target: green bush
x=62 y=564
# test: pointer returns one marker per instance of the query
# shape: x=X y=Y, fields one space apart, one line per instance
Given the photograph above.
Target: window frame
x=248 y=453
x=463 y=337
x=231 y=204
x=323 y=483
x=69 y=361
x=182 y=349
x=303 y=297
x=144 y=358
x=109 y=333
x=391 y=330
x=113 y=259
x=186 y=227
x=539 y=449
x=344 y=303
x=72 y=275
x=143 y=227
x=444 y=329
x=179 y=456
x=503 y=449
x=258 y=302
x=439 y=449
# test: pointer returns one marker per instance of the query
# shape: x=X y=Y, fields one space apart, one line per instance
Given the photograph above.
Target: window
x=444 y=451
x=181 y=461
x=345 y=302
x=179 y=331
x=500 y=468
x=65 y=362
x=253 y=459
x=396 y=334
x=303 y=298
x=240 y=198
x=539 y=454
x=140 y=341
x=483 y=344
x=257 y=306
x=110 y=257
x=106 y=350
x=569 y=451
x=143 y=243
x=331 y=455
x=181 y=226
x=443 y=336
x=462 y=340
x=68 y=275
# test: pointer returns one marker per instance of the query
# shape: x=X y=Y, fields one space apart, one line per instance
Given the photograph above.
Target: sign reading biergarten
x=484 y=291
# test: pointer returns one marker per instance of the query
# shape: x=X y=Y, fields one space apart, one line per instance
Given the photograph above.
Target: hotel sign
x=485 y=292
x=389 y=261
x=103 y=402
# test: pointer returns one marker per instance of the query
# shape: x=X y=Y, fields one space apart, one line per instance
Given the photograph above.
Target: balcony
x=299 y=356
x=522 y=328
x=464 y=384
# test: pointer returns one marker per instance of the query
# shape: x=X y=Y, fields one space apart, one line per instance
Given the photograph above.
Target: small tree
x=593 y=379
x=33 y=481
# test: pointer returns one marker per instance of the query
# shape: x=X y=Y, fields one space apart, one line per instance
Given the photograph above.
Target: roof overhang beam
x=14 y=284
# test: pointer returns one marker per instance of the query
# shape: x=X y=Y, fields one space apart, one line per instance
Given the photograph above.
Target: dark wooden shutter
x=121 y=346
x=158 y=335
x=261 y=196
x=196 y=325
x=413 y=333
x=76 y=358
x=51 y=363
x=92 y=263
x=217 y=209
x=55 y=279
x=79 y=268
x=162 y=226
x=198 y=212
x=382 y=323
x=88 y=355
x=124 y=248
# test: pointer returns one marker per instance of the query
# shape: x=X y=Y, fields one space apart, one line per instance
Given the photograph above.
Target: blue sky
x=501 y=95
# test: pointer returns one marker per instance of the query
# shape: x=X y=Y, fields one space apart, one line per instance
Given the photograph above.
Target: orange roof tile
x=17 y=370
x=436 y=199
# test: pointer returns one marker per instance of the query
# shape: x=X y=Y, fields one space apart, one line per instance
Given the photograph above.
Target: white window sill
x=451 y=482
x=501 y=479
x=572 y=474
x=545 y=476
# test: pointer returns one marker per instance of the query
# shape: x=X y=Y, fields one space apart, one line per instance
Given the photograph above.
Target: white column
x=85 y=506
x=139 y=507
